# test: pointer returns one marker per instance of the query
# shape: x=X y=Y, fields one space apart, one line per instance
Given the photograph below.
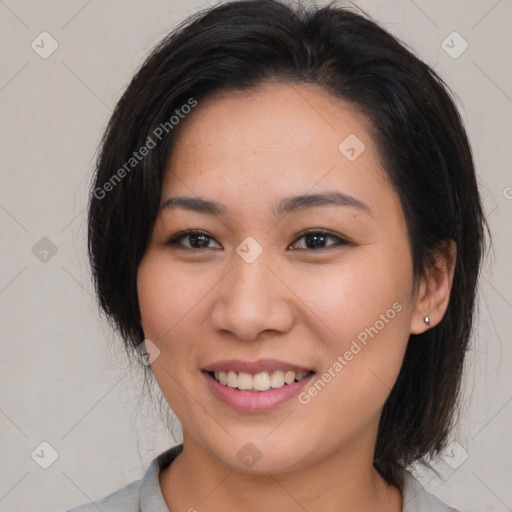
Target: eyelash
x=174 y=240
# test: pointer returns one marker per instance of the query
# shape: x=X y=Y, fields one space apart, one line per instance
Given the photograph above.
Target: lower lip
x=255 y=401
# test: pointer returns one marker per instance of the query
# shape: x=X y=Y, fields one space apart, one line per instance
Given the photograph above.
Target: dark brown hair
x=423 y=148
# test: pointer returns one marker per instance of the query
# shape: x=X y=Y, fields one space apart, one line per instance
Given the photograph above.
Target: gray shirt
x=145 y=495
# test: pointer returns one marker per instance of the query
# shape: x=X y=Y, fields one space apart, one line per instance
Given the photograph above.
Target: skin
x=305 y=306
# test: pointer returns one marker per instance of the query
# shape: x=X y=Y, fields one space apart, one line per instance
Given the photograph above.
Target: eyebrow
x=287 y=205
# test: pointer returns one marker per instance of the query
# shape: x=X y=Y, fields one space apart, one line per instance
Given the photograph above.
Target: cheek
x=370 y=308
x=366 y=306
x=168 y=301
x=348 y=297
x=166 y=295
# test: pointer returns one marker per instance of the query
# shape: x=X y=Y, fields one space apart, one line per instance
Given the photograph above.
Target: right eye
x=198 y=240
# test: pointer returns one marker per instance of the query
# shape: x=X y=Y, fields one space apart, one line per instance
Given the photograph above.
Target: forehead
x=271 y=142
x=273 y=116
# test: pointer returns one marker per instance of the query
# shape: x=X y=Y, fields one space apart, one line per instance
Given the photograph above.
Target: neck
x=345 y=482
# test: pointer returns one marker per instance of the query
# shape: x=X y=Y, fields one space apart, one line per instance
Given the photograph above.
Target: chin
x=260 y=455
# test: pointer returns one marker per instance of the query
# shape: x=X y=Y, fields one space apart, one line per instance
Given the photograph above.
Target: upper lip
x=254 y=367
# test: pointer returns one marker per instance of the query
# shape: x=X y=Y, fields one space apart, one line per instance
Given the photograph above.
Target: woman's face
x=255 y=299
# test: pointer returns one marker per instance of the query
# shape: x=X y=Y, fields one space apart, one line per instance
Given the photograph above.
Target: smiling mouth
x=262 y=381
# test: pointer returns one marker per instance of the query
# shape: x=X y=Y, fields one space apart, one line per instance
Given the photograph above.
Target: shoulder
x=143 y=495
x=126 y=499
x=417 y=499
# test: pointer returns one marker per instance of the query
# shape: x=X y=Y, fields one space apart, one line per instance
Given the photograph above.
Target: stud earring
x=427 y=320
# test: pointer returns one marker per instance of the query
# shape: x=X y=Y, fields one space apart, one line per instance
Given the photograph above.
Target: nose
x=252 y=299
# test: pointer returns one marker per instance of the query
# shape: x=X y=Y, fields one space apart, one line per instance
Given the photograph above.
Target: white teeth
x=262 y=381
x=244 y=380
x=289 y=377
x=232 y=379
x=277 y=379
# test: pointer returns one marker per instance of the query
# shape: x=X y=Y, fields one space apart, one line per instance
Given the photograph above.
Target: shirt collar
x=417 y=499
x=151 y=497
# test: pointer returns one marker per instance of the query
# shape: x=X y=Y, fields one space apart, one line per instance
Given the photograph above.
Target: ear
x=434 y=289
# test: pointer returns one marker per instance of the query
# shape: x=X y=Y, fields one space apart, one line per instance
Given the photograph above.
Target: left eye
x=317 y=239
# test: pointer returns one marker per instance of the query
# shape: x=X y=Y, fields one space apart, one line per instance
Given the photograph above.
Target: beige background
x=63 y=378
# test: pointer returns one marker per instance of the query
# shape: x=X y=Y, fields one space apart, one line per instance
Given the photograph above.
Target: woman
x=285 y=227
